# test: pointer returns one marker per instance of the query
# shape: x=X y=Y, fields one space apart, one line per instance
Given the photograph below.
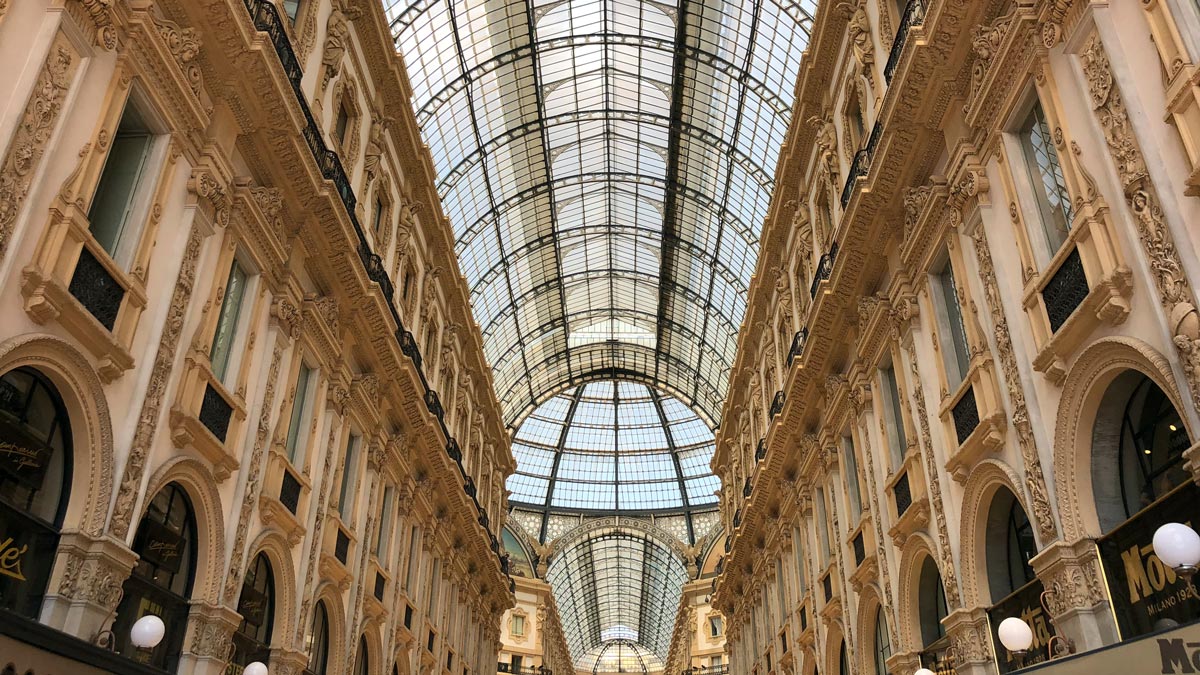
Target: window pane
x=955 y=355
x=1049 y=186
x=227 y=321
x=123 y=170
x=895 y=418
x=852 y=480
x=349 y=477
x=296 y=437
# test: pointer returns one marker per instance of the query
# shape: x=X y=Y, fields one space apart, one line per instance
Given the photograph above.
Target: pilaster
x=87 y=579
x=208 y=645
x=1075 y=593
x=969 y=636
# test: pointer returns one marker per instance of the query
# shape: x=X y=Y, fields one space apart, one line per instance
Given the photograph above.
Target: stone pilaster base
x=208 y=645
x=1076 y=596
x=905 y=662
x=288 y=661
x=969 y=638
x=85 y=585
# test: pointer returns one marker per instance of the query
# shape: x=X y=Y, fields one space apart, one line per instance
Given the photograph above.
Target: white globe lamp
x=1015 y=635
x=1178 y=547
x=147 y=632
x=255 y=668
x=924 y=671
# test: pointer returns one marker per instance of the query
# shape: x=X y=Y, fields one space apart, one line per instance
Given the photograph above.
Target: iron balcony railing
x=265 y=16
x=522 y=670
x=861 y=164
x=914 y=15
x=824 y=269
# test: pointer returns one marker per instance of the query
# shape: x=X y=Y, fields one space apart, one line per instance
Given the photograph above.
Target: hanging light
x=147 y=632
x=924 y=671
x=1015 y=635
x=255 y=668
x=1178 y=547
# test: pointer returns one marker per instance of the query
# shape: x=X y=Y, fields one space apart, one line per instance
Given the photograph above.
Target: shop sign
x=23 y=457
x=1146 y=594
x=1025 y=603
x=252 y=606
x=1173 y=652
x=161 y=545
x=27 y=550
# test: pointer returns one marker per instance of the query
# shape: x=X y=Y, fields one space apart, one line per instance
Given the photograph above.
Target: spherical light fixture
x=924 y=671
x=255 y=668
x=147 y=632
x=1015 y=635
x=1178 y=547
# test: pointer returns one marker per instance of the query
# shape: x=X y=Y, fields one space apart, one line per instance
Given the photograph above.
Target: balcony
x=797 y=349
x=502 y=667
x=824 y=269
x=914 y=15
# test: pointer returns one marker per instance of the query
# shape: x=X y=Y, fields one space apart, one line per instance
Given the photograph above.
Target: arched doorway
x=252 y=639
x=35 y=472
x=1139 y=433
x=883 y=642
x=362 y=662
x=318 y=651
x=161 y=582
x=1009 y=545
x=931 y=611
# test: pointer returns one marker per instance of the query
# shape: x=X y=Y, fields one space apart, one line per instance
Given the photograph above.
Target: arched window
x=35 y=472
x=883 y=643
x=318 y=651
x=932 y=603
x=1010 y=545
x=362 y=665
x=161 y=583
x=252 y=640
x=843 y=660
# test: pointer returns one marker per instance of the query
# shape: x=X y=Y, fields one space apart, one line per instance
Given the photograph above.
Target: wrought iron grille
x=747 y=488
x=408 y=345
x=380 y=585
x=902 y=494
x=797 y=345
x=914 y=15
x=289 y=492
x=777 y=403
x=433 y=403
x=860 y=551
x=737 y=520
x=760 y=451
x=824 y=269
x=453 y=450
x=861 y=164
x=1065 y=291
x=341 y=546
x=96 y=289
x=215 y=412
x=965 y=414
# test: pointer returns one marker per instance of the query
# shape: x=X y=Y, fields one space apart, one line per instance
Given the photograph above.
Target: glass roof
x=614 y=446
x=606 y=166
x=617 y=584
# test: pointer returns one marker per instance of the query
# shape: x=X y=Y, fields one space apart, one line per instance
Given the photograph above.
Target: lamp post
x=1178 y=547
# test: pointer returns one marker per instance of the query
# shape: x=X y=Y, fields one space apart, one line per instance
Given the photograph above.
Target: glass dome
x=613 y=446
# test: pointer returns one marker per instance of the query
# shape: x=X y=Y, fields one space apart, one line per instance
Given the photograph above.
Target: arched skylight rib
x=606 y=166
x=613 y=446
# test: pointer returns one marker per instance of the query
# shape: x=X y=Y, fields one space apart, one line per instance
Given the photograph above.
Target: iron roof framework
x=606 y=166
x=614 y=446
x=616 y=583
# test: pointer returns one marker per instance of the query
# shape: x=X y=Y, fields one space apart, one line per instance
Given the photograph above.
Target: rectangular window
x=297 y=436
x=349 y=478
x=715 y=626
x=292 y=8
x=518 y=625
x=342 y=125
x=801 y=582
x=893 y=416
x=383 y=537
x=955 y=355
x=412 y=559
x=378 y=222
x=435 y=587
x=781 y=594
x=115 y=205
x=227 y=322
x=1046 y=175
x=853 y=494
x=822 y=527
x=716 y=661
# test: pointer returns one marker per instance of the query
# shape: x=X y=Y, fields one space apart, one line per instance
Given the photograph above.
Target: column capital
x=969 y=637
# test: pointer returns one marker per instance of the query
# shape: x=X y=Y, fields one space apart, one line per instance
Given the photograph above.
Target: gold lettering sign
x=20 y=457
x=10 y=559
x=165 y=549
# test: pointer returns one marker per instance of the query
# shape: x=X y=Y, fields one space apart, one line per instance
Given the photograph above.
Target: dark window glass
x=252 y=640
x=883 y=643
x=318 y=654
x=161 y=582
x=1153 y=440
x=933 y=603
x=35 y=470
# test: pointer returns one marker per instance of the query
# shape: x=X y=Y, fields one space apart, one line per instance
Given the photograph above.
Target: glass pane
x=118 y=186
x=297 y=437
x=955 y=354
x=1049 y=186
x=227 y=321
x=349 y=478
